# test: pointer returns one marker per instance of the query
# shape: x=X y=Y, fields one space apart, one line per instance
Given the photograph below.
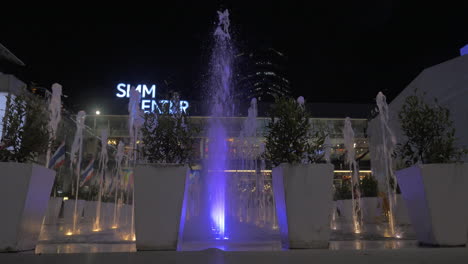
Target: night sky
x=337 y=52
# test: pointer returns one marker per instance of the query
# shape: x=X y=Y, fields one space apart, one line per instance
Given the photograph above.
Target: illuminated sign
x=149 y=103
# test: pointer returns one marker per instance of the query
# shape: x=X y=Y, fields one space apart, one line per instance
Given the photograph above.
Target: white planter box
x=24 y=195
x=401 y=212
x=344 y=210
x=159 y=200
x=371 y=209
x=107 y=215
x=436 y=196
x=89 y=211
x=53 y=210
x=303 y=198
x=69 y=210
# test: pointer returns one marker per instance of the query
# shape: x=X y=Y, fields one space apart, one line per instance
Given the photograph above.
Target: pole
x=78 y=169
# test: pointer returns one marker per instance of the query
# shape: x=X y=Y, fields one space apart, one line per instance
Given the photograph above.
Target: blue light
x=464 y=50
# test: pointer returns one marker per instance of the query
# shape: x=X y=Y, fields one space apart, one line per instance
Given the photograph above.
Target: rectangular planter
x=345 y=210
x=303 y=199
x=89 y=211
x=371 y=209
x=436 y=196
x=53 y=210
x=159 y=204
x=401 y=212
x=24 y=196
x=69 y=210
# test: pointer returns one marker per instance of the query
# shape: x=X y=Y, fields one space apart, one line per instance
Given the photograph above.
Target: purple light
x=464 y=50
x=217 y=177
x=221 y=106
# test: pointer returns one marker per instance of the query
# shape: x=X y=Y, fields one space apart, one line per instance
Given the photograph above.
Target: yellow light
x=134 y=238
x=69 y=233
x=269 y=171
x=65 y=198
x=114 y=227
x=96 y=229
x=348 y=171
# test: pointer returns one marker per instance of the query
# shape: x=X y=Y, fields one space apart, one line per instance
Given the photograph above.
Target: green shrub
x=25 y=129
x=168 y=136
x=430 y=133
x=369 y=187
x=289 y=139
x=343 y=191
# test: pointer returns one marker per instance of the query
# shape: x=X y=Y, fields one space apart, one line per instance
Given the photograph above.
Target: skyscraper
x=263 y=74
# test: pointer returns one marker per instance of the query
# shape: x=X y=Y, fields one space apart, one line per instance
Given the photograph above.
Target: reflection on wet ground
x=58 y=248
x=59 y=238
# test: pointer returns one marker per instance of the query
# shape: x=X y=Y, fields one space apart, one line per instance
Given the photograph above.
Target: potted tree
x=434 y=183
x=302 y=185
x=160 y=183
x=371 y=203
x=26 y=186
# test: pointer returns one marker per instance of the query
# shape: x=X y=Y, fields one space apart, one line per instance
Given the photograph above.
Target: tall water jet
x=348 y=135
x=103 y=160
x=221 y=106
x=76 y=154
x=55 y=110
x=249 y=178
x=327 y=149
x=135 y=121
x=384 y=152
x=117 y=179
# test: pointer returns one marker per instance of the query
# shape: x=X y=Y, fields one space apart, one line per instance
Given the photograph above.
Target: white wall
x=448 y=82
x=8 y=84
x=2 y=110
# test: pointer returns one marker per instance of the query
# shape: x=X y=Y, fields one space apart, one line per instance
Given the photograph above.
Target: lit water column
x=348 y=135
x=388 y=145
x=221 y=106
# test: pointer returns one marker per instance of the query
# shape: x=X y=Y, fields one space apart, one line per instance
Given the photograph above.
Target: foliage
x=168 y=135
x=429 y=131
x=369 y=187
x=288 y=139
x=25 y=131
x=343 y=191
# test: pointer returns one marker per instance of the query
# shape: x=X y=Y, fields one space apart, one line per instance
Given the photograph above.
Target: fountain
x=348 y=135
x=103 y=159
x=117 y=181
x=384 y=169
x=221 y=90
x=135 y=121
x=76 y=154
x=55 y=109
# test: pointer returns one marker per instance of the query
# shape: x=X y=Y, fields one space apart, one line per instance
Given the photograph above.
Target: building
x=263 y=74
x=9 y=83
x=447 y=83
x=118 y=131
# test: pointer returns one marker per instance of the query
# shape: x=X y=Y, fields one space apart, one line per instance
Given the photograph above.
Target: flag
x=58 y=159
x=87 y=173
x=112 y=185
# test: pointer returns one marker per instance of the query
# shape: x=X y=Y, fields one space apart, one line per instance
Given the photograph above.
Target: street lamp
x=97 y=113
